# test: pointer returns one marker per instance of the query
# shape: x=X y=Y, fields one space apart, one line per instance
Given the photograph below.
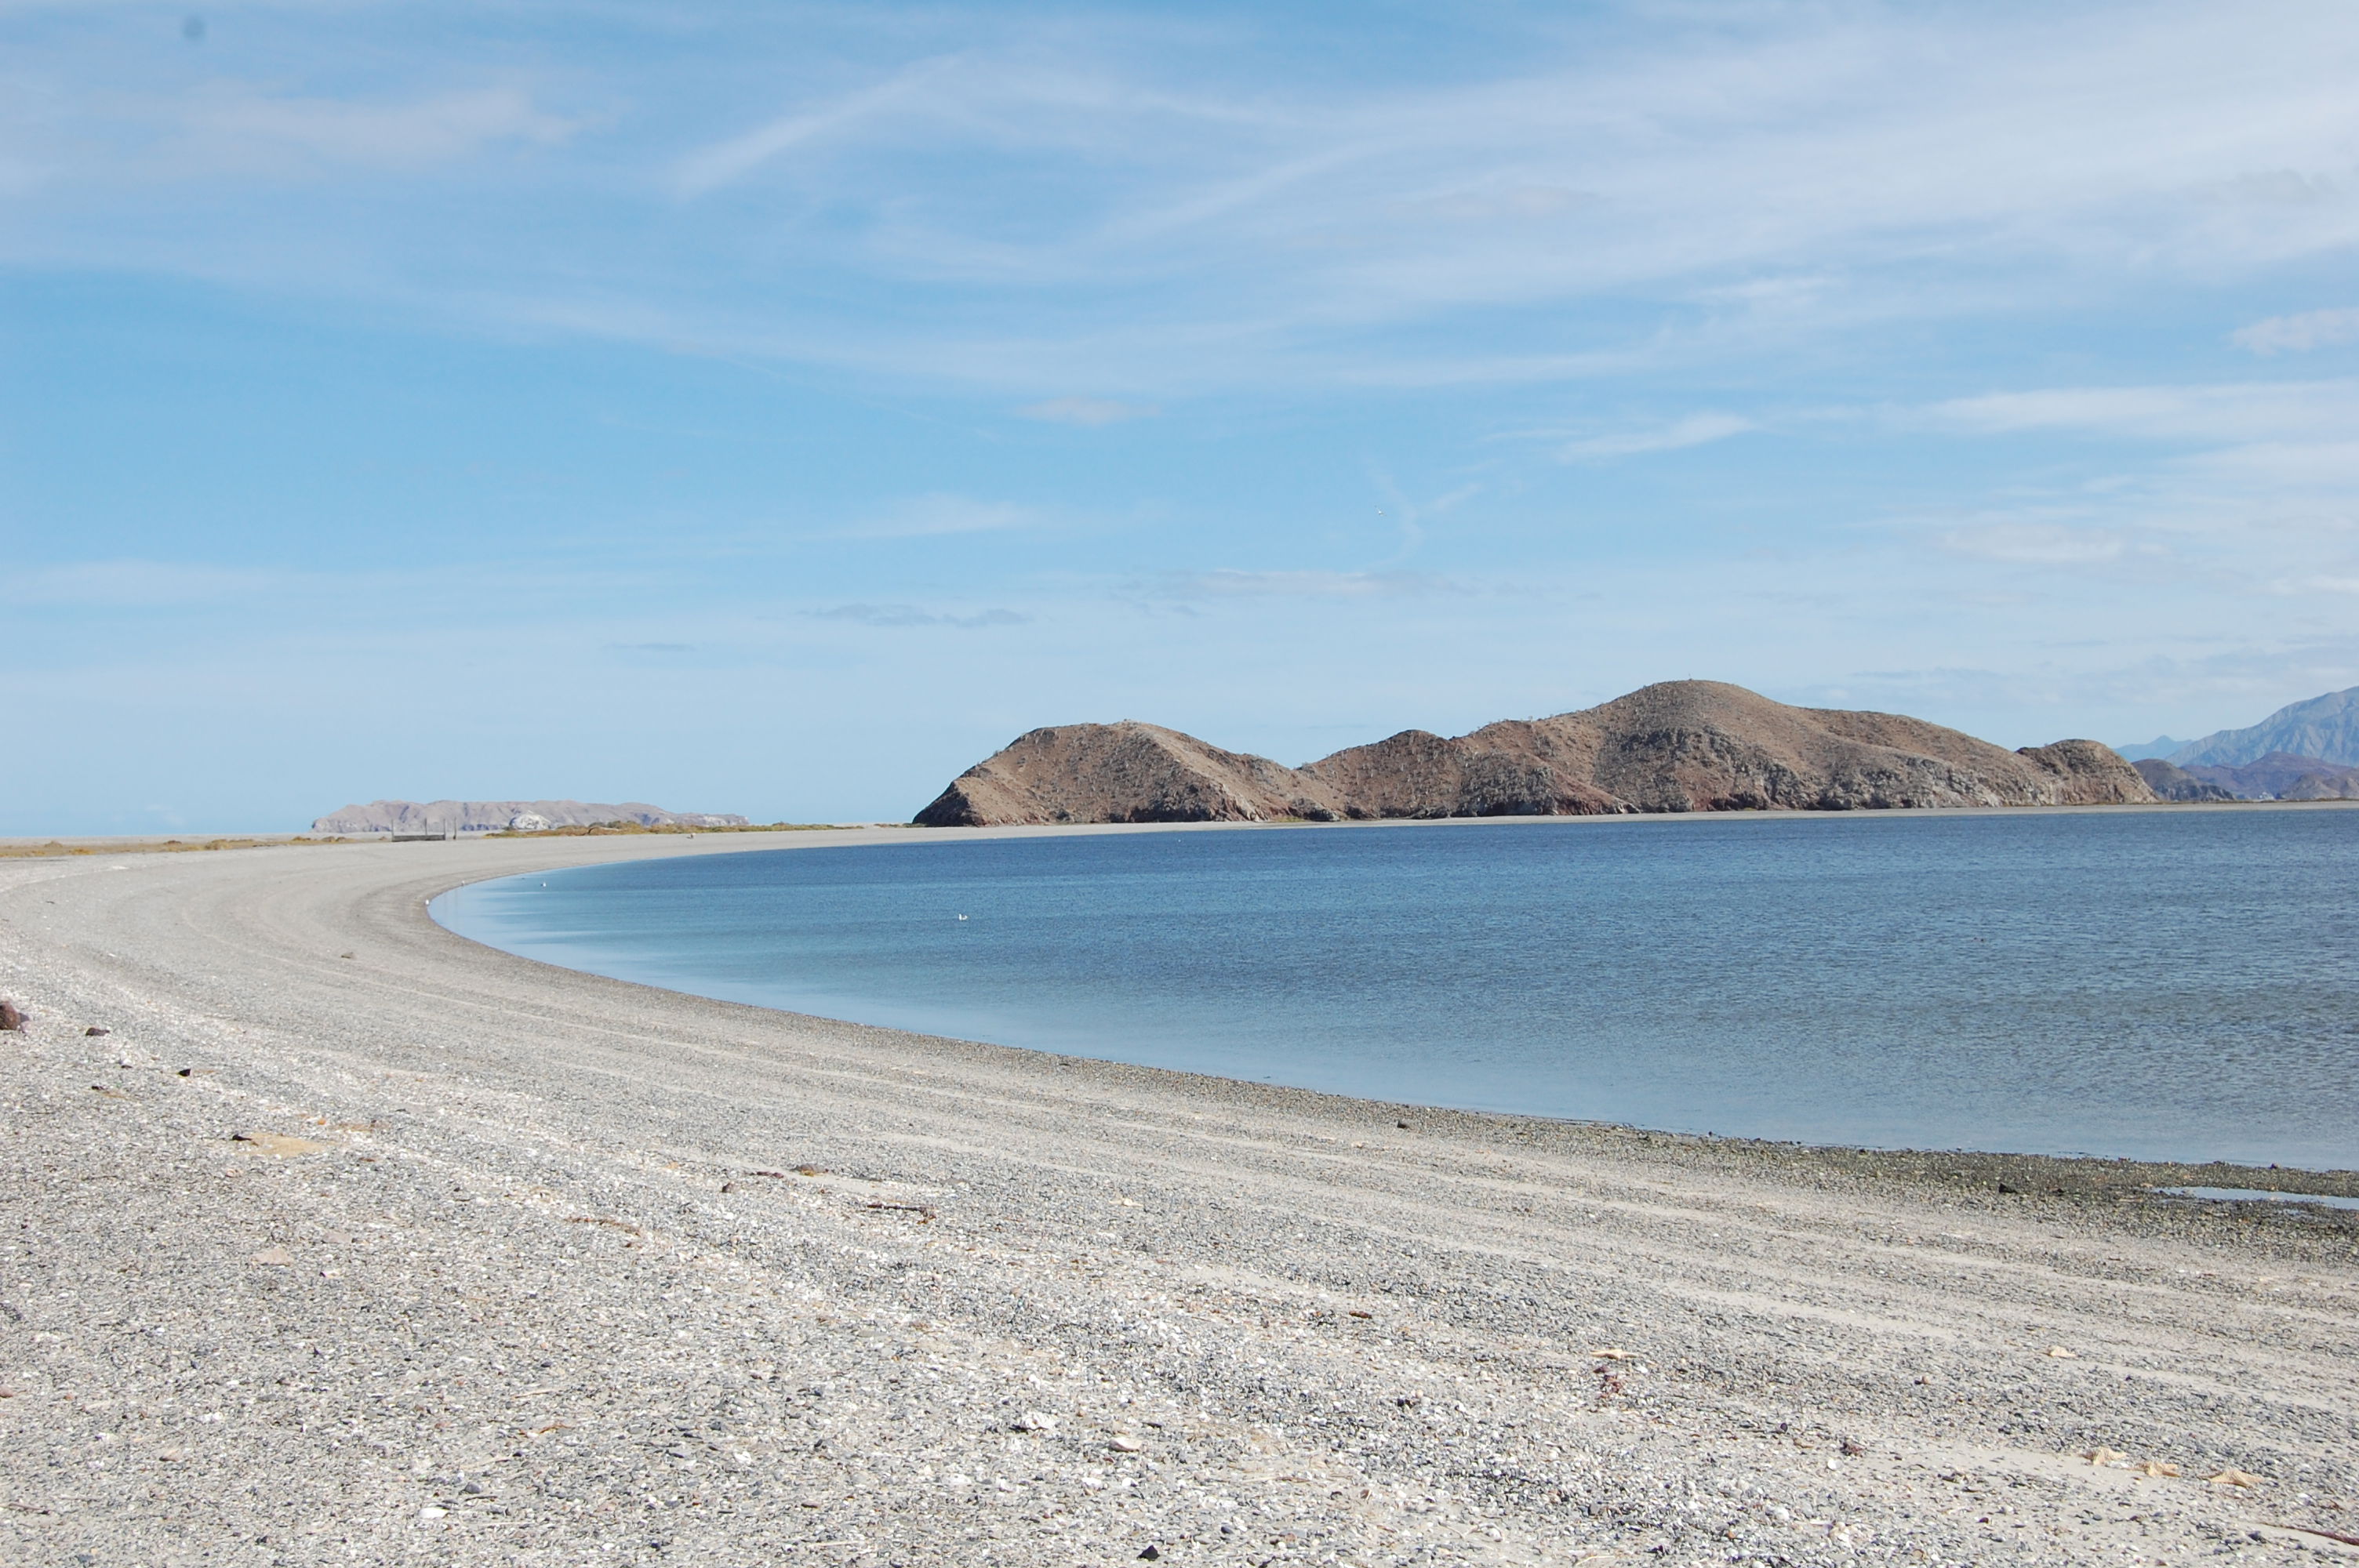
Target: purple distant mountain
x=2324 y=728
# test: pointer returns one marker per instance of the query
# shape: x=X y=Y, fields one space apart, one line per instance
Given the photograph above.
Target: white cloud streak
x=931 y=516
x=2298 y=334
x=1091 y=202
x=1695 y=430
x=235 y=126
x=2250 y=490
x=1236 y=584
x=726 y=162
x=2035 y=543
x=1088 y=412
x=140 y=584
x=903 y=615
x=2221 y=413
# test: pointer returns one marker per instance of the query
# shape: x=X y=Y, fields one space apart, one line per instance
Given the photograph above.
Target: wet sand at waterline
x=354 y=1241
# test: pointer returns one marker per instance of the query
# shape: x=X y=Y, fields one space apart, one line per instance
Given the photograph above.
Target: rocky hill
x=1124 y=772
x=492 y=816
x=1680 y=746
x=2323 y=728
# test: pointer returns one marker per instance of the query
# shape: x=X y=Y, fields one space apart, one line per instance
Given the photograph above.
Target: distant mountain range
x=497 y=816
x=1681 y=746
x=2324 y=728
x=2305 y=751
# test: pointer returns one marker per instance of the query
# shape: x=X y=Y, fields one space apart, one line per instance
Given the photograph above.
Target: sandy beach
x=353 y=1242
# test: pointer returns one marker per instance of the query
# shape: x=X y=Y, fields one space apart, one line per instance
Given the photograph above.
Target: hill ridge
x=1675 y=746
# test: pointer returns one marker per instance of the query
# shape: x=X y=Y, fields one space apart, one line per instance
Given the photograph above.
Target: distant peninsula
x=500 y=816
x=1676 y=747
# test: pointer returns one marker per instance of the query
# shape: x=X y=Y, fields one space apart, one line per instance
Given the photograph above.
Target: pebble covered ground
x=351 y=1242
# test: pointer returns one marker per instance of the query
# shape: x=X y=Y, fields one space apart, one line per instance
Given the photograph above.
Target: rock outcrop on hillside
x=2090 y=772
x=493 y=815
x=1679 y=746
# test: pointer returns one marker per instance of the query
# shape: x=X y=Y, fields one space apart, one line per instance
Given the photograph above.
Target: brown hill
x=1679 y=746
x=1124 y=772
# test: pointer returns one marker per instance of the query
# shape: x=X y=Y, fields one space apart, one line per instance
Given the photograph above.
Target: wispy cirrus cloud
x=937 y=515
x=137 y=584
x=1236 y=584
x=2039 y=544
x=2296 y=334
x=897 y=615
x=2238 y=457
x=2219 y=414
x=1695 y=430
x=231 y=125
x=1124 y=197
x=2246 y=488
x=2342 y=582
x=1088 y=412
x=121 y=145
x=907 y=91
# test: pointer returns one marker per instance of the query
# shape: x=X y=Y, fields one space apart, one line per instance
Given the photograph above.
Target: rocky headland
x=1674 y=747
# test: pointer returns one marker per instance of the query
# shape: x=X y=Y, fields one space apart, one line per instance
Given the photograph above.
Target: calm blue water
x=2153 y=984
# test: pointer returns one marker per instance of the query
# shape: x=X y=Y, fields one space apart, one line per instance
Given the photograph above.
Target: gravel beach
x=332 y=1237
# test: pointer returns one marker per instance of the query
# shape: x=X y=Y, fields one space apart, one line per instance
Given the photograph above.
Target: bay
x=2150 y=984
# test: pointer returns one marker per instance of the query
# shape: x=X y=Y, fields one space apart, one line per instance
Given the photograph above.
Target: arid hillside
x=1124 y=772
x=1679 y=746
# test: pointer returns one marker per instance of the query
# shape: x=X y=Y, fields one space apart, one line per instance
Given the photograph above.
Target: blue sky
x=777 y=407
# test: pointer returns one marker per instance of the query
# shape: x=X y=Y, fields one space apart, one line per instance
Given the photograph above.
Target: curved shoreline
x=1990 y=1160
x=597 y=1282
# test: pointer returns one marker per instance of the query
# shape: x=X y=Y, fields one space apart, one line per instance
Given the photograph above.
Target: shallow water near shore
x=2157 y=985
